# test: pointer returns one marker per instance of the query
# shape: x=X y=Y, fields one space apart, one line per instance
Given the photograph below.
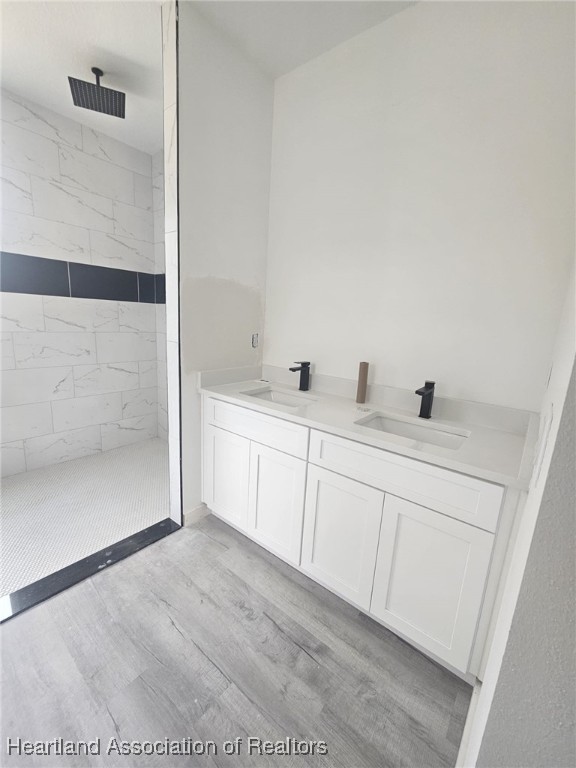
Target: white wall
x=78 y=375
x=225 y=111
x=532 y=720
x=171 y=251
x=536 y=603
x=422 y=199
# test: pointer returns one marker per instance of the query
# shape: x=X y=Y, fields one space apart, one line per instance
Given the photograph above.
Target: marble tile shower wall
x=160 y=261
x=79 y=376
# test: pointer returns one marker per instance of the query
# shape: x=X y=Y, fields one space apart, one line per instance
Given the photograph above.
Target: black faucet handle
x=302 y=362
x=427 y=388
x=427 y=394
x=304 y=368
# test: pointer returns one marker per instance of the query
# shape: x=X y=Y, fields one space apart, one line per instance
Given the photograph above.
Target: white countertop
x=488 y=453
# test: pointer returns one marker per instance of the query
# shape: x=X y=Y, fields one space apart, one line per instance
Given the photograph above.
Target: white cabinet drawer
x=460 y=496
x=267 y=430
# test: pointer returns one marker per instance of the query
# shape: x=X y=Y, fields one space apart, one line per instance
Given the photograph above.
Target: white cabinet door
x=276 y=501
x=225 y=476
x=341 y=525
x=430 y=578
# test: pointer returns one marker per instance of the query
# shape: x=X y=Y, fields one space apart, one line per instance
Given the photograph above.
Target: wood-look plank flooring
x=205 y=635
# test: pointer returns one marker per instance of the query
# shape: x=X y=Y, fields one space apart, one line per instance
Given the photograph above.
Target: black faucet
x=304 y=369
x=427 y=394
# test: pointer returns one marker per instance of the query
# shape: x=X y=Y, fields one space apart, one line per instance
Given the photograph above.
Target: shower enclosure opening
x=84 y=403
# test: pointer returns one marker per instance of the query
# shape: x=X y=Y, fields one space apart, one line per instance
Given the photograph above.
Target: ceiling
x=280 y=35
x=44 y=42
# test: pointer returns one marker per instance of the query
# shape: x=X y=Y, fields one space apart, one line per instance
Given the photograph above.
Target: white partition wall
x=169 y=30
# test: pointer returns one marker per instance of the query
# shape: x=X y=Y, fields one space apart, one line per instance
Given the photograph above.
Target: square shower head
x=97 y=98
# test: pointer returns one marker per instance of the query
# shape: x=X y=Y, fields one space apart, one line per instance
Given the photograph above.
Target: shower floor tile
x=53 y=516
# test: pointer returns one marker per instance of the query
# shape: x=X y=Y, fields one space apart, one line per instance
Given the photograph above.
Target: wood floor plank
x=251 y=610
x=206 y=635
x=344 y=630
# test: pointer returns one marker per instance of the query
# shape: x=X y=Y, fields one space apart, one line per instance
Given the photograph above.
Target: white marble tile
x=173 y=376
x=134 y=317
x=130 y=221
x=62 y=313
x=129 y=431
x=139 y=402
x=174 y=428
x=12 y=458
x=61 y=202
x=38 y=119
x=158 y=193
x=21 y=421
x=98 y=379
x=37 y=385
x=21 y=312
x=110 y=250
x=148 y=370
x=162 y=375
x=15 y=192
x=62 y=446
x=8 y=361
x=159 y=260
x=142 y=191
x=157 y=163
x=83 y=171
x=163 y=407
x=31 y=235
x=122 y=347
x=162 y=431
x=174 y=469
x=161 y=347
x=44 y=350
x=172 y=288
x=106 y=148
x=159 y=225
x=86 y=411
x=160 y=318
x=29 y=152
x=169 y=51
x=170 y=170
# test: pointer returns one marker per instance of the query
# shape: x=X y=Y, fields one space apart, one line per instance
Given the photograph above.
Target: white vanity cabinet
x=340 y=539
x=430 y=576
x=254 y=475
x=276 y=501
x=226 y=471
x=405 y=541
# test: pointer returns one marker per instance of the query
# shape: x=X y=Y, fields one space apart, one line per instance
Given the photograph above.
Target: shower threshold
x=32 y=594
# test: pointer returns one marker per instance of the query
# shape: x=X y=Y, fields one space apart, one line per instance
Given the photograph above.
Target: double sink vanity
x=407 y=519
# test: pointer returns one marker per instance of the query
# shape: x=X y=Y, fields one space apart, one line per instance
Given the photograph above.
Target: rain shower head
x=94 y=96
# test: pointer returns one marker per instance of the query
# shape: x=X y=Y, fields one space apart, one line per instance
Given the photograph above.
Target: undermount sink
x=271 y=394
x=444 y=437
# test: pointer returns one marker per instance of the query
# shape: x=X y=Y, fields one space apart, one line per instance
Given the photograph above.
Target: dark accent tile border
x=51 y=585
x=90 y=282
x=146 y=290
x=160 y=285
x=31 y=274
x=20 y=273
